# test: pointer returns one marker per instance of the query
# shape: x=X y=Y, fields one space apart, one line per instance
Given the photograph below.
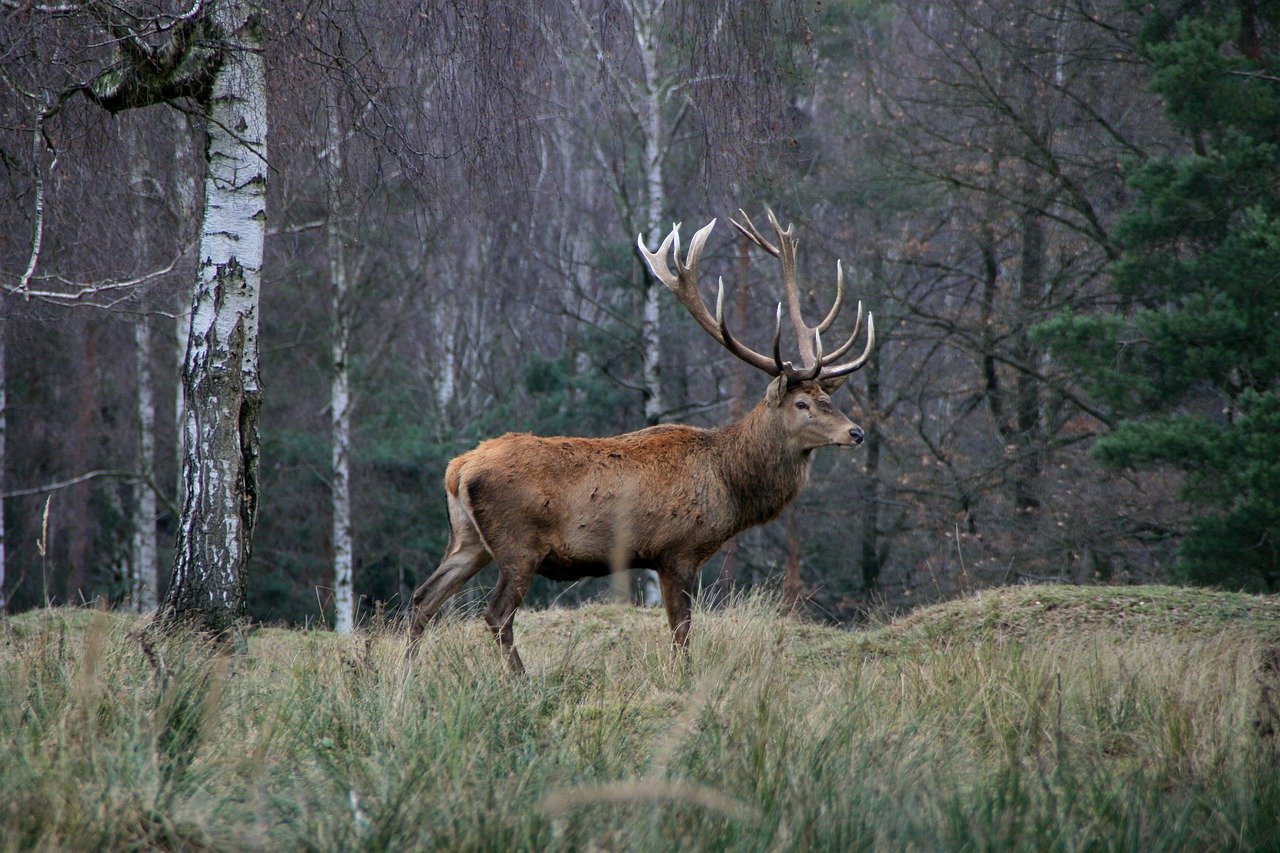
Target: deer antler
x=684 y=284
x=814 y=364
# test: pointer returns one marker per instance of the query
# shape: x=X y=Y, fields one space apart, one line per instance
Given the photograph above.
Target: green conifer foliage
x=1191 y=366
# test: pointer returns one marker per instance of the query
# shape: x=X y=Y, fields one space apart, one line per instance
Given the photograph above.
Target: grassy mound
x=1047 y=717
x=1043 y=612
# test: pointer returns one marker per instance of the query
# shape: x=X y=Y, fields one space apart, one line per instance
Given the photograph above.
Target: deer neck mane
x=762 y=468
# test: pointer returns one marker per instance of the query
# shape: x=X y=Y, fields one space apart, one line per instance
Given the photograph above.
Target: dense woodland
x=1065 y=216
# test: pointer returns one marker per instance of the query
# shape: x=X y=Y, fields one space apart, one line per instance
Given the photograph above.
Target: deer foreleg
x=677 y=596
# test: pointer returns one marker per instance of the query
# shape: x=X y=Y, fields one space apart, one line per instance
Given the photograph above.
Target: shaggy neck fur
x=762 y=467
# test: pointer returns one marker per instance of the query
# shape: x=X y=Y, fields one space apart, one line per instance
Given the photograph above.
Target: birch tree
x=142 y=581
x=144 y=574
x=648 y=100
x=210 y=54
x=646 y=91
x=221 y=384
x=339 y=380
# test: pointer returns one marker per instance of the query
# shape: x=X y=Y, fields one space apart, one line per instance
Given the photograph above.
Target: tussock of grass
x=1037 y=718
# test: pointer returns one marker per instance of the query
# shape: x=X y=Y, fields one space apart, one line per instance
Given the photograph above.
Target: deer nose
x=856 y=434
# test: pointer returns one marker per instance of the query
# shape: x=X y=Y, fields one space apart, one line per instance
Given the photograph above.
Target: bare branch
x=58 y=10
x=63 y=484
x=37 y=235
x=84 y=291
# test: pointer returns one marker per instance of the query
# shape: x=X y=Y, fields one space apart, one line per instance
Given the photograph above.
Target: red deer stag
x=664 y=498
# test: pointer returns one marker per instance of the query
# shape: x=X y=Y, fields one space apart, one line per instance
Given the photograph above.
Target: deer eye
x=801 y=404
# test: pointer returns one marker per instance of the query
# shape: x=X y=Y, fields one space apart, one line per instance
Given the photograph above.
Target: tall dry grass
x=773 y=735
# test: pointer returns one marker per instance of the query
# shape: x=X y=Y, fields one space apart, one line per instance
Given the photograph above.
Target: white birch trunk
x=220 y=371
x=651 y=98
x=650 y=103
x=339 y=383
x=446 y=382
x=182 y=329
x=143 y=580
x=187 y=192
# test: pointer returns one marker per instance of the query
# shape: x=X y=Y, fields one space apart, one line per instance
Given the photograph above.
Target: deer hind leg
x=513 y=584
x=467 y=555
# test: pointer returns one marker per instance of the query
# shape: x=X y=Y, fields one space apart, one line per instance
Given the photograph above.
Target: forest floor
x=1028 y=718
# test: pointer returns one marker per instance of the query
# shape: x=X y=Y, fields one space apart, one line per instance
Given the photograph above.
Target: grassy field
x=1065 y=718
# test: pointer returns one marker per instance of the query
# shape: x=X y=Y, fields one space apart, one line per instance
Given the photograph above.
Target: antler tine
x=784 y=235
x=753 y=234
x=838 y=304
x=857 y=363
x=777 y=338
x=657 y=261
x=817 y=356
x=848 y=344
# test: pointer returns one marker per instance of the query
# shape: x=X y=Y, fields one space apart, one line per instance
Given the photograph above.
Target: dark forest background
x=1064 y=214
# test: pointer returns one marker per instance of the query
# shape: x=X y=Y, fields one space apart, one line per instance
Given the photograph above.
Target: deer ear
x=833 y=384
x=777 y=390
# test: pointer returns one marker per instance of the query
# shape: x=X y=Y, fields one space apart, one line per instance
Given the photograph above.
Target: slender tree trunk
x=993 y=389
x=182 y=330
x=792 y=585
x=141 y=581
x=728 y=578
x=339 y=381
x=870 y=546
x=651 y=97
x=1026 y=389
x=144 y=574
x=4 y=600
x=76 y=579
x=188 y=193
x=220 y=373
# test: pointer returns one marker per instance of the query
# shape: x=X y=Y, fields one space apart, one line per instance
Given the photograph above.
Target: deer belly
x=559 y=568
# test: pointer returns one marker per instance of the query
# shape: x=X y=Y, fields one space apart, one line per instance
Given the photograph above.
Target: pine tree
x=1192 y=362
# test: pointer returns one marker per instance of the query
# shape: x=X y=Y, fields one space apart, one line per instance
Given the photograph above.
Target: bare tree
x=1003 y=119
x=209 y=54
